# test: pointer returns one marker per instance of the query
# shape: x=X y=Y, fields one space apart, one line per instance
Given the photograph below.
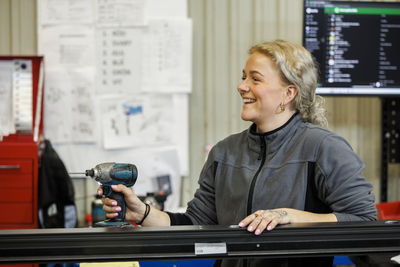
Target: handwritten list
x=119 y=60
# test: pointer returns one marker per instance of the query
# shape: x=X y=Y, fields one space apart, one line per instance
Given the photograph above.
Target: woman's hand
x=135 y=208
x=260 y=220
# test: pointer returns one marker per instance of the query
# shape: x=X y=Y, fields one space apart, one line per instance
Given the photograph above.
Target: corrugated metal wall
x=18 y=27
x=223 y=32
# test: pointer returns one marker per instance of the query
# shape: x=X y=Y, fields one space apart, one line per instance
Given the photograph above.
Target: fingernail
x=257 y=232
x=115 y=214
x=269 y=228
x=114 y=186
x=241 y=224
x=250 y=228
x=118 y=208
x=114 y=203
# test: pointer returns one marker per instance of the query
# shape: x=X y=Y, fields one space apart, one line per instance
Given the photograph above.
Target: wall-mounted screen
x=356 y=46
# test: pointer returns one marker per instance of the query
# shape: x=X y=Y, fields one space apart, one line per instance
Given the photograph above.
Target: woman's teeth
x=248 y=100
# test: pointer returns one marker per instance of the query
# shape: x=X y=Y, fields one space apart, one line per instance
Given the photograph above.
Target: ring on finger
x=259 y=216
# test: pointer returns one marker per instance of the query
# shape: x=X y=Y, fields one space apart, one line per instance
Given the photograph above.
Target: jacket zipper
x=253 y=182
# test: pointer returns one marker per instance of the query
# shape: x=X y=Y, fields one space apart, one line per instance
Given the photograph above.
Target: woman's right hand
x=135 y=208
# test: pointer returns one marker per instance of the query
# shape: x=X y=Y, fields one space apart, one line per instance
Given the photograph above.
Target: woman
x=285 y=168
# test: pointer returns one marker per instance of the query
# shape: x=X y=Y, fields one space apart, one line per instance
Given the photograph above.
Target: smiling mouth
x=248 y=100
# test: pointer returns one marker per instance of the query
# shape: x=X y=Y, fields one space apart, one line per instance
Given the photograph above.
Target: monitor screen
x=356 y=46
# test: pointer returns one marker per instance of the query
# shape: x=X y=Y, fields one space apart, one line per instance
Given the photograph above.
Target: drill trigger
x=107 y=190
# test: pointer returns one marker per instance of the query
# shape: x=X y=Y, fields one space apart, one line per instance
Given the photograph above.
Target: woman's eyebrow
x=256 y=72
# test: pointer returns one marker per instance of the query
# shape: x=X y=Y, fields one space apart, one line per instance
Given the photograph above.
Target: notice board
x=118 y=75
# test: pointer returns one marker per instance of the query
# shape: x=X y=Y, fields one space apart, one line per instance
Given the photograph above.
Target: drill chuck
x=89 y=172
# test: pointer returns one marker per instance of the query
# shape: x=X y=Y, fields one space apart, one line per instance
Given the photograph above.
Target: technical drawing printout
x=69 y=106
x=69 y=46
x=145 y=120
x=53 y=12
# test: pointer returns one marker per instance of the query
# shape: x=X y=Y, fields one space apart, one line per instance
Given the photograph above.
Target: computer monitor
x=356 y=46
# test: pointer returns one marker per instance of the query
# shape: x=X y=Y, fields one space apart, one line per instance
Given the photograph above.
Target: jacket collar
x=273 y=139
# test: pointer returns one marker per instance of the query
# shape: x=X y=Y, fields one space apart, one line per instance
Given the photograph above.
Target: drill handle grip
x=119 y=197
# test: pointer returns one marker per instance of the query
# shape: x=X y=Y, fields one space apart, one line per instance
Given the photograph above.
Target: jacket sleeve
x=341 y=182
x=201 y=209
x=179 y=219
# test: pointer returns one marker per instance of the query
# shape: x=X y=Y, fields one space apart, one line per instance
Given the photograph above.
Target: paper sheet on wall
x=57 y=118
x=166 y=9
x=52 y=12
x=6 y=79
x=161 y=163
x=119 y=60
x=175 y=132
x=82 y=94
x=137 y=120
x=167 y=48
x=181 y=130
x=68 y=46
x=69 y=106
x=121 y=12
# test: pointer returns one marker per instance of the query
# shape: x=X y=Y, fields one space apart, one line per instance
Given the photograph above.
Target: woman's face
x=261 y=90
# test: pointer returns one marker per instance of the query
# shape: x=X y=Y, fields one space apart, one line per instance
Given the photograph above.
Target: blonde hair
x=296 y=66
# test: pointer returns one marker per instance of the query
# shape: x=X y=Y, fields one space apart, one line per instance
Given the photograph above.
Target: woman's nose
x=243 y=87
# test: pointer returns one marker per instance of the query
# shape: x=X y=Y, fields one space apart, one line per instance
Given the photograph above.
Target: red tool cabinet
x=19 y=161
x=18 y=181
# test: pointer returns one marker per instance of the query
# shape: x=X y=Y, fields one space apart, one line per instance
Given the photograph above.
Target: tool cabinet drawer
x=10 y=181
x=16 y=195
x=16 y=173
x=15 y=166
x=20 y=213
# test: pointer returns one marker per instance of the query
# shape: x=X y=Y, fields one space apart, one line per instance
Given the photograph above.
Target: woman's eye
x=243 y=78
x=255 y=79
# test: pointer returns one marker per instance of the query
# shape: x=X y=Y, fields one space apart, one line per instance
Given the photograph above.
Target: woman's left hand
x=260 y=220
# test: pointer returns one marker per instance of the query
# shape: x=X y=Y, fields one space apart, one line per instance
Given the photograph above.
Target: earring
x=282 y=107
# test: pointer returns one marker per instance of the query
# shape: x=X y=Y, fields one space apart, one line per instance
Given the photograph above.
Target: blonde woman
x=286 y=168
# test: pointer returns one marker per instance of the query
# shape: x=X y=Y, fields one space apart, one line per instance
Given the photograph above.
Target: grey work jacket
x=247 y=171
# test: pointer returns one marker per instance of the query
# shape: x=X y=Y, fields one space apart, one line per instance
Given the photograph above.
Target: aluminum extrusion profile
x=178 y=242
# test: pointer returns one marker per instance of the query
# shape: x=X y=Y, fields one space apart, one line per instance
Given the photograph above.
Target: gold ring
x=256 y=214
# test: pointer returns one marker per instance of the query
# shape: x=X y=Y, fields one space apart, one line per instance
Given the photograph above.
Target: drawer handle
x=9 y=167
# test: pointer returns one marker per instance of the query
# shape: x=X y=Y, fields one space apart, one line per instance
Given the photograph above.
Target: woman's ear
x=291 y=92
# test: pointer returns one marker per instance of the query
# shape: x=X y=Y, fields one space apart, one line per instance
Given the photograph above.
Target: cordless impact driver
x=111 y=173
